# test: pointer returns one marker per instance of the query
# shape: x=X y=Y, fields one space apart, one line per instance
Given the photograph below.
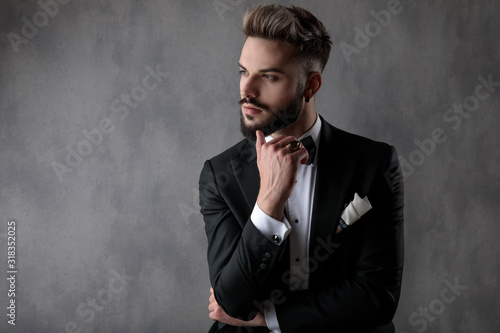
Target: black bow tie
x=309 y=144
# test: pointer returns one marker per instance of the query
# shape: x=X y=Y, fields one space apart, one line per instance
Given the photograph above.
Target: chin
x=257 y=121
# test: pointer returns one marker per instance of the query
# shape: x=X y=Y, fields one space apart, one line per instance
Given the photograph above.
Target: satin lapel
x=332 y=183
x=246 y=172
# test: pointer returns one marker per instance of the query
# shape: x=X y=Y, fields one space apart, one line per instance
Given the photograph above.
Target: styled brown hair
x=293 y=25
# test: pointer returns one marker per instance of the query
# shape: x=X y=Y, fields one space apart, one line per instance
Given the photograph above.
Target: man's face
x=269 y=87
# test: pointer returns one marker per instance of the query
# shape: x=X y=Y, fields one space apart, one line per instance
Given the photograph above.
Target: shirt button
x=296 y=221
x=276 y=238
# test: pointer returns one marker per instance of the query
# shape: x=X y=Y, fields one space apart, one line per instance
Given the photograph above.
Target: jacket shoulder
x=355 y=144
x=243 y=150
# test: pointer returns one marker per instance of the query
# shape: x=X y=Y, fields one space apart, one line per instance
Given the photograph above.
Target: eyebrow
x=265 y=70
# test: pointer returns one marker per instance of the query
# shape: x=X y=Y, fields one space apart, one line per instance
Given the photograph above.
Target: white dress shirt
x=296 y=225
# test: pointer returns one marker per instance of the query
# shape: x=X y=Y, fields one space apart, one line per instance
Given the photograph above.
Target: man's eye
x=270 y=77
x=242 y=72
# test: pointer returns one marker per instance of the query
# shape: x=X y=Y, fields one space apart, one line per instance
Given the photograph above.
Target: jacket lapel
x=332 y=184
x=246 y=172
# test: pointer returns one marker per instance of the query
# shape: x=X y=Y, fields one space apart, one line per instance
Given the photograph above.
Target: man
x=281 y=258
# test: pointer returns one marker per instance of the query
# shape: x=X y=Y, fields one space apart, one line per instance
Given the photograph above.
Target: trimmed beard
x=279 y=119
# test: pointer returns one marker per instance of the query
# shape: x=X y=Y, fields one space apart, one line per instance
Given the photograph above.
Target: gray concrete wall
x=99 y=158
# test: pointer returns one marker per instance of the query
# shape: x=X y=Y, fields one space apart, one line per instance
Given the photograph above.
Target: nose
x=249 y=87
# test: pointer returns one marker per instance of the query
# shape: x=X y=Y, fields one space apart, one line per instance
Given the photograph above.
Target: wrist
x=258 y=321
x=271 y=207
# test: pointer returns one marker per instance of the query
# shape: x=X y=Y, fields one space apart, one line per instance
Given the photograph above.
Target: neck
x=304 y=122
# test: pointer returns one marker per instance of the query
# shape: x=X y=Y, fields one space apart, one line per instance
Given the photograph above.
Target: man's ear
x=313 y=83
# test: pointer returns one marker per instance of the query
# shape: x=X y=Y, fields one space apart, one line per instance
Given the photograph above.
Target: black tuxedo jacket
x=355 y=276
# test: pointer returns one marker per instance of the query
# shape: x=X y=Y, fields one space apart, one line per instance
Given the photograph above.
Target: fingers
x=212 y=306
x=261 y=140
x=300 y=155
x=216 y=312
x=211 y=299
x=278 y=144
x=278 y=139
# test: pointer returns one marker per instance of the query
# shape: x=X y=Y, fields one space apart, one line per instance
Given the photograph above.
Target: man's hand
x=217 y=313
x=278 y=167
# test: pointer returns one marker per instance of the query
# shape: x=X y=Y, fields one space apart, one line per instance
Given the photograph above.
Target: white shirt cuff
x=271 y=318
x=274 y=230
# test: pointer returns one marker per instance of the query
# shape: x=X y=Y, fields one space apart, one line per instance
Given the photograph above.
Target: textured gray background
x=130 y=206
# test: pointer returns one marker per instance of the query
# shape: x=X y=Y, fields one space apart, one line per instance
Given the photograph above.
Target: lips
x=250 y=109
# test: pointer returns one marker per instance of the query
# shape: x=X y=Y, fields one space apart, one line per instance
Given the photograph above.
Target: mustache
x=253 y=102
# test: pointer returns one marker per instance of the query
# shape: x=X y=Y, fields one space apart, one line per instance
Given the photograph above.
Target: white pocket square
x=353 y=212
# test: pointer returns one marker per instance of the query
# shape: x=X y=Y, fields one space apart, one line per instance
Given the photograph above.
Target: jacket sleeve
x=369 y=296
x=240 y=258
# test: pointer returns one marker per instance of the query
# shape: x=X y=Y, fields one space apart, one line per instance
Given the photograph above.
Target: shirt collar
x=314 y=131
